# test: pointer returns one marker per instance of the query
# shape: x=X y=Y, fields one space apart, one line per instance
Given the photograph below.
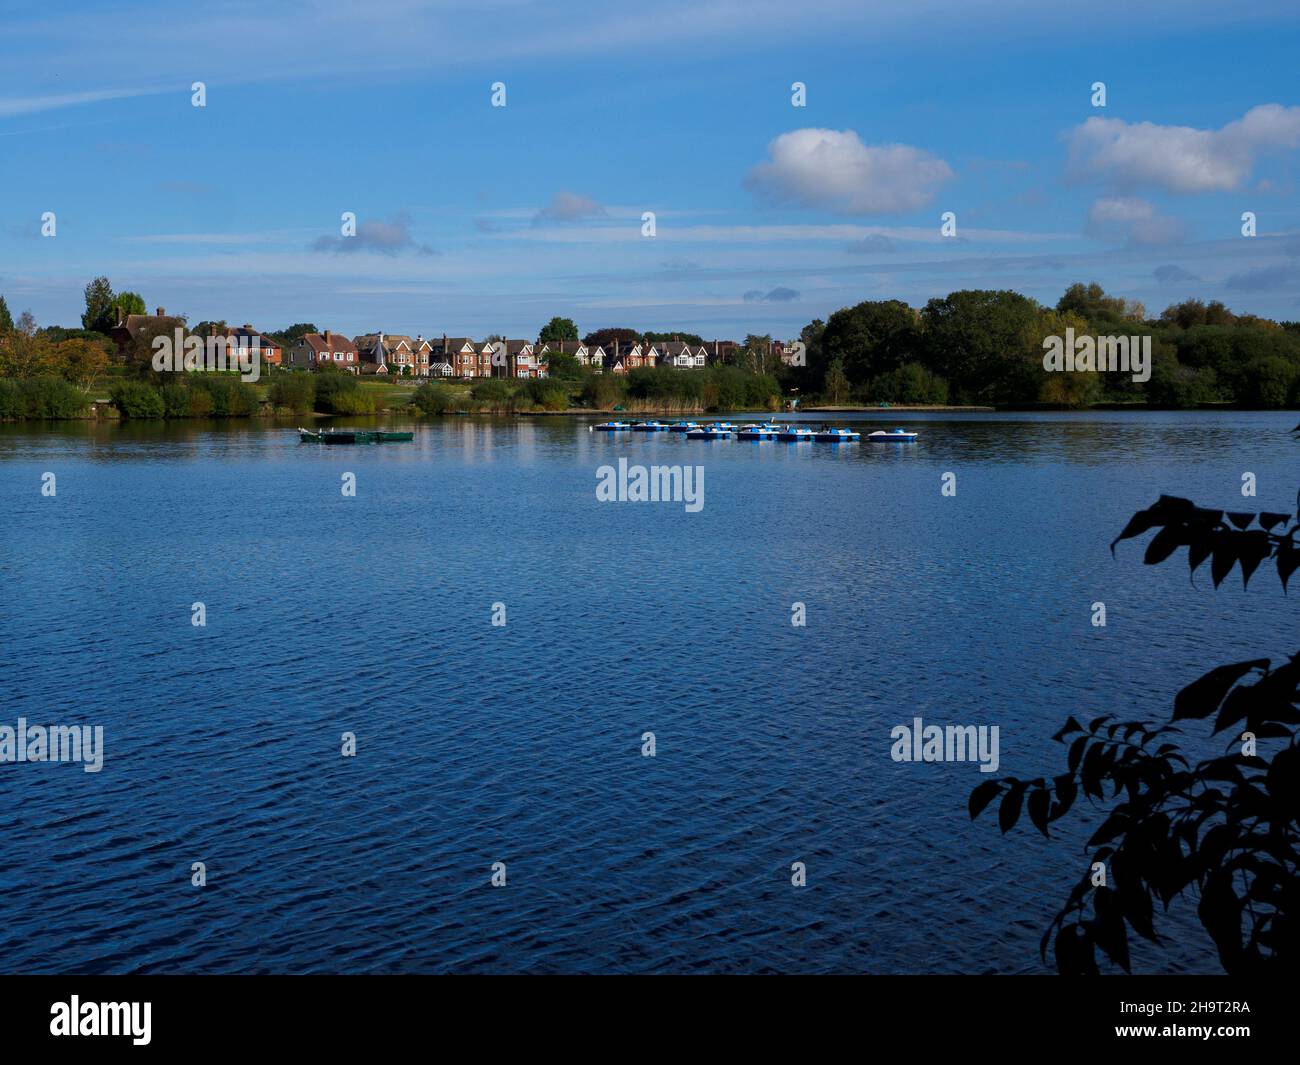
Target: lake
x=522 y=743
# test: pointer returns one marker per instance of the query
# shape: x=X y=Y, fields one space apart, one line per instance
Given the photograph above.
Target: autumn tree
x=26 y=353
x=80 y=361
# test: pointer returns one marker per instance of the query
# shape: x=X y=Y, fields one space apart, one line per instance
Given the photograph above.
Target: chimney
x=161 y=313
x=328 y=341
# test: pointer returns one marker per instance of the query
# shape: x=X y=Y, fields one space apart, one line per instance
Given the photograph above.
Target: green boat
x=352 y=436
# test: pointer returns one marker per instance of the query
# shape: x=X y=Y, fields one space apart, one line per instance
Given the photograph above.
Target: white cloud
x=833 y=170
x=1179 y=158
x=1132 y=219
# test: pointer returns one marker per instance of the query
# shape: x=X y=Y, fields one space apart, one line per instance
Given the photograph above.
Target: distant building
x=130 y=327
x=315 y=350
x=245 y=336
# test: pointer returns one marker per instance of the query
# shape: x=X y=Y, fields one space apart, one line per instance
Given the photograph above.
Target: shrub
x=548 y=394
x=604 y=390
x=12 y=402
x=52 y=397
x=434 y=398
x=352 y=401
x=330 y=384
x=495 y=394
x=200 y=403
x=231 y=397
x=176 y=400
x=297 y=391
x=135 y=399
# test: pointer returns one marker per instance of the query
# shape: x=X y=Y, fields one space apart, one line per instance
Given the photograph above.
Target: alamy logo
x=57 y=743
x=655 y=484
x=102 y=1018
x=216 y=355
x=1098 y=354
x=951 y=743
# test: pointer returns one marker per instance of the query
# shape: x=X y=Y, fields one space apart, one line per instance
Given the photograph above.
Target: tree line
x=986 y=347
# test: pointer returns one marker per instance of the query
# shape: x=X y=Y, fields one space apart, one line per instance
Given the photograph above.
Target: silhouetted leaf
x=1066 y=790
x=1070 y=726
x=1113 y=826
x=1040 y=801
x=981 y=796
x=1252 y=548
x=1164 y=544
x=1239 y=519
x=1137 y=525
x=1288 y=558
x=1198 y=549
x=1202 y=697
x=1268 y=519
x=1076 y=752
x=1225 y=557
x=1009 y=811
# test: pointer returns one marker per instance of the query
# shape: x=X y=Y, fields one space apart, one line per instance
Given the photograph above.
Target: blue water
x=522 y=744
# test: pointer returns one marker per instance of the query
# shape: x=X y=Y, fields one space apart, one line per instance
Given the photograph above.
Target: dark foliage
x=1223 y=830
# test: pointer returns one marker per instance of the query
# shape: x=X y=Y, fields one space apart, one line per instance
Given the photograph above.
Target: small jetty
x=352 y=436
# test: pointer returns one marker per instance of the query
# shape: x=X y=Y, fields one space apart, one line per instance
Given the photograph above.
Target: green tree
x=99 y=313
x=125 y=303
x=869 y=339
x=836 y=385
x=558 y=329
x=6 y=320
x=977 y=339
x=685 y=338
x=755 y=355
x=606 y=337
x=289 y=337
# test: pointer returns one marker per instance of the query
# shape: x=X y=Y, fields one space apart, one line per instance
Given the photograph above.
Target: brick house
x=314 y=350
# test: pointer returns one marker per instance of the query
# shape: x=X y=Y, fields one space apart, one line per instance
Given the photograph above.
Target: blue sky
x=475 y=220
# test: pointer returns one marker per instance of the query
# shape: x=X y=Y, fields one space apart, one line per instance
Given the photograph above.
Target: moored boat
x=353 y=436
x=651 y=427
x=764 y=431
x=612 y=427
x=837 y=436
x=796 y=435
x=880 y=436
x=710 y=432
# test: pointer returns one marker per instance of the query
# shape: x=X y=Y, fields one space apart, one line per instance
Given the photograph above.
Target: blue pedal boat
x=710 y=432
x=901 y=436
x=651 y=427
x=683 y=427
x=838 y=436
x=796 y=435
x=612 y=427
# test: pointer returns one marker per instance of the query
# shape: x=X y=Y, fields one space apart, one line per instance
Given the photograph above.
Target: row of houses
x=466 y=358
x=458 y=357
